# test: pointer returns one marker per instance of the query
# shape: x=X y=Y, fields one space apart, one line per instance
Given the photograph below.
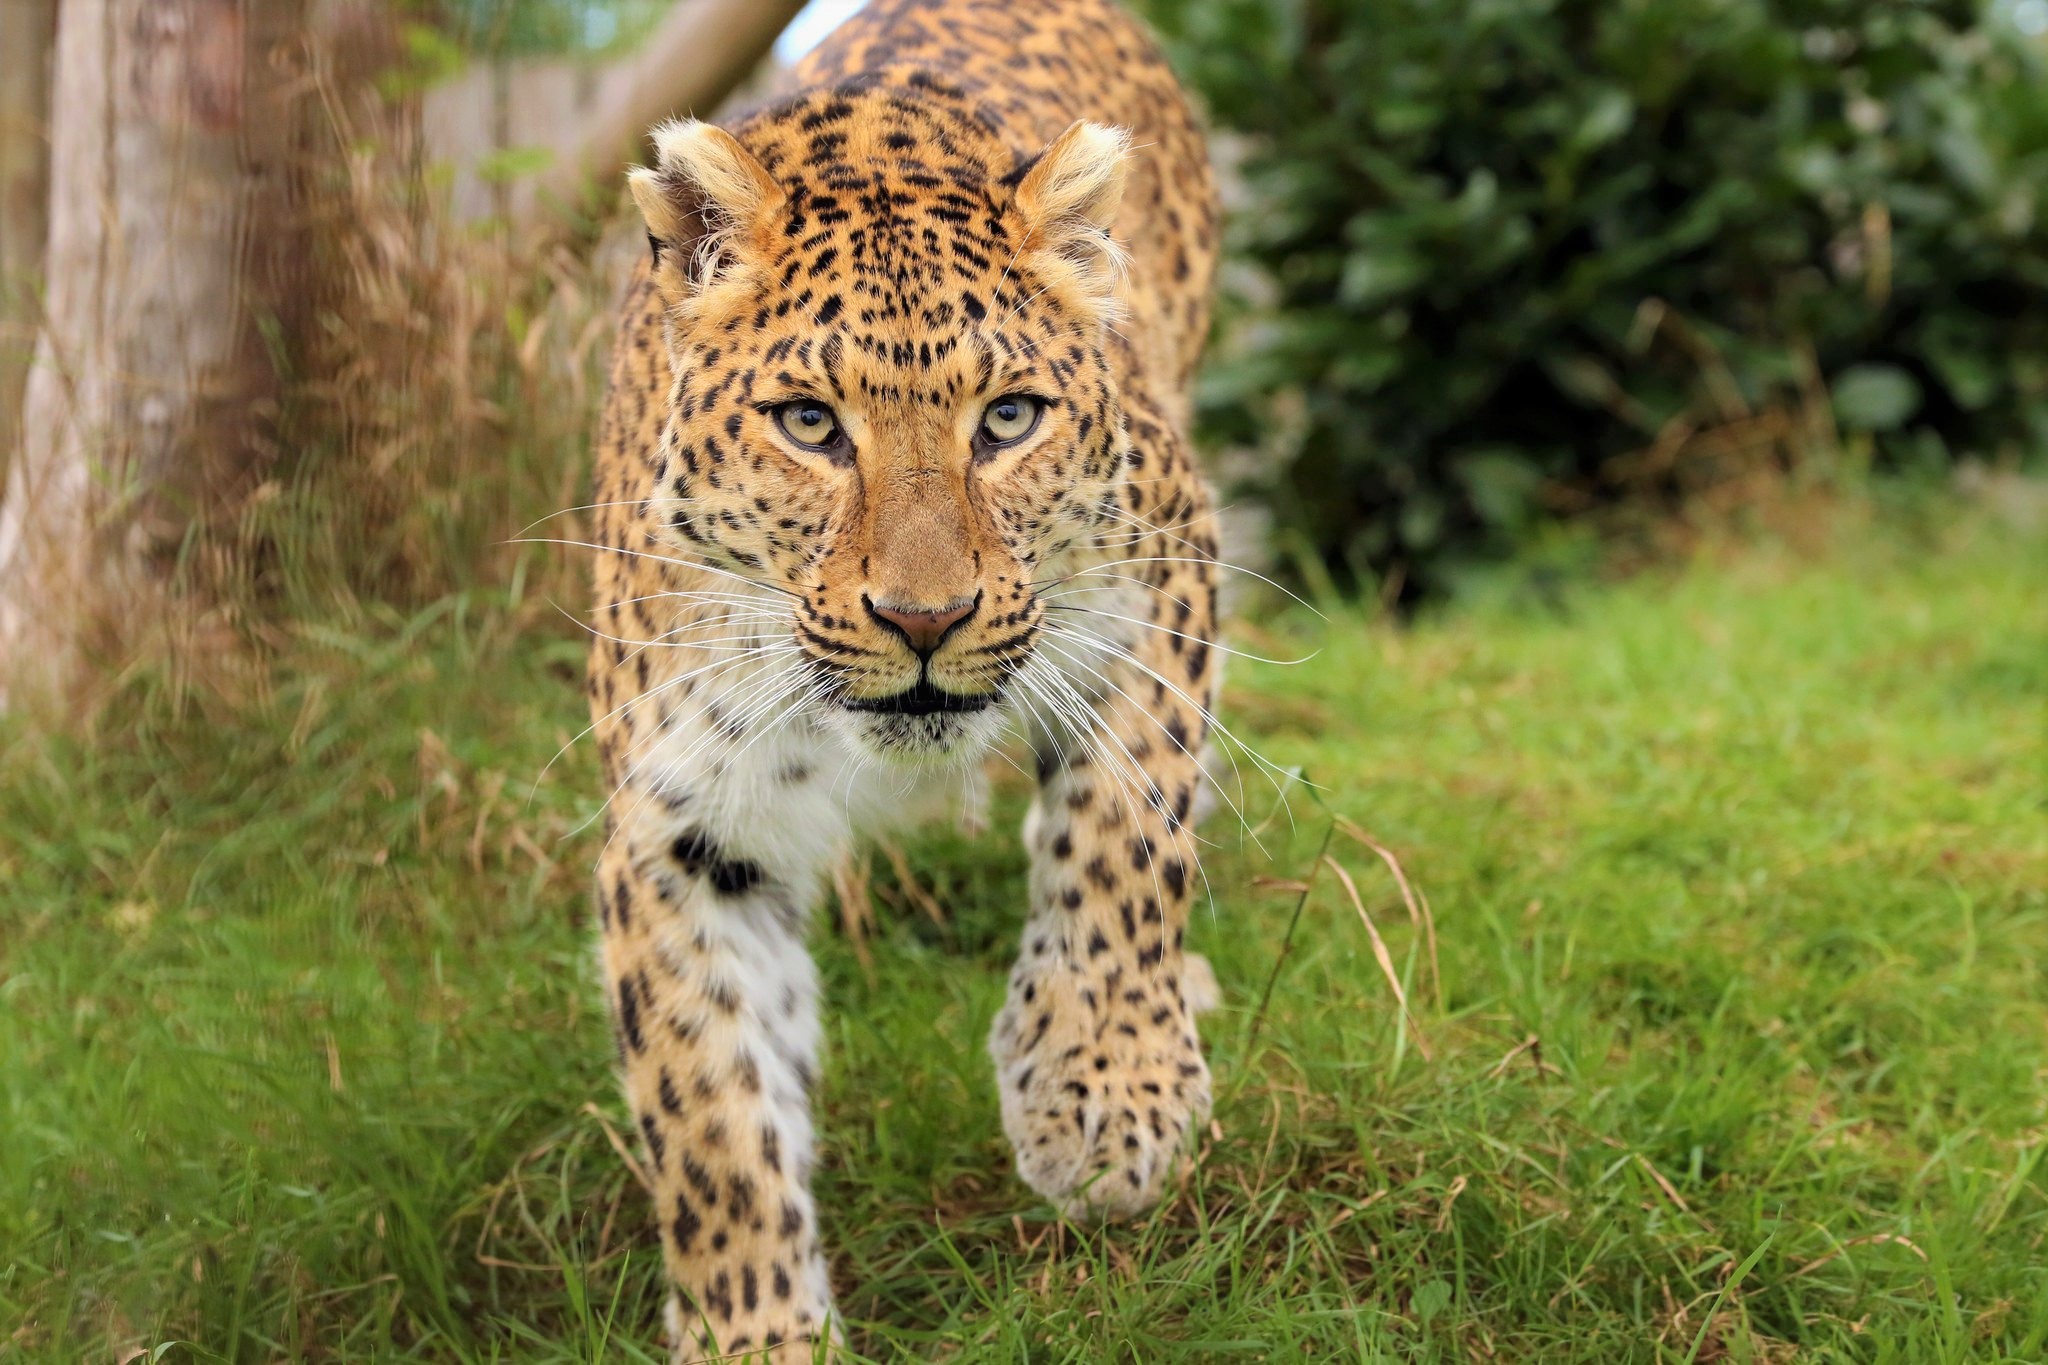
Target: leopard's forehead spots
x=894 y=268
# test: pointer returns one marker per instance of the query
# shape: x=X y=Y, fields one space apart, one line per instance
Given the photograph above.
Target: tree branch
x=698 y=55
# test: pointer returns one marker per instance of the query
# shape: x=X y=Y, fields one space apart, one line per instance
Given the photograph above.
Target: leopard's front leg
x=1096 y=1051
x=715 y=1002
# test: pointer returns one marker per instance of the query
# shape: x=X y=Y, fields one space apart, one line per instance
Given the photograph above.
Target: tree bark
x=28 y=29
x=173 y=135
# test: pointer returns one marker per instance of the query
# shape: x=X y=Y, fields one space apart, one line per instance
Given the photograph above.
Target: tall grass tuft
x=437 y=398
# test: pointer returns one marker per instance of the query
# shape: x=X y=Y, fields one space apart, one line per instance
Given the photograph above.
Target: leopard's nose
x=922 y=628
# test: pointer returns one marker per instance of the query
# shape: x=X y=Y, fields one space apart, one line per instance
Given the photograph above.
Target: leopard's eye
x=1009 y=418
x=809 y=423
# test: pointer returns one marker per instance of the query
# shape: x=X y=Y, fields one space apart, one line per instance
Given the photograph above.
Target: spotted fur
x=962 y=199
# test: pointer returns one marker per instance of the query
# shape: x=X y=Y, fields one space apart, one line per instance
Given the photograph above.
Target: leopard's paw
x=1098 y=1095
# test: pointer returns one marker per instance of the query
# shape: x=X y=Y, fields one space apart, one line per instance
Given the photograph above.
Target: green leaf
x=1422 y=522
x=1374 y=276
x=1875 y=397
x=1608 y=116
x=1501 y=483
x=1431 y=1298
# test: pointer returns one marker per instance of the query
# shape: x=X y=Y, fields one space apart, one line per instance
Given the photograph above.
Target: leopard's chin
x=919 y=735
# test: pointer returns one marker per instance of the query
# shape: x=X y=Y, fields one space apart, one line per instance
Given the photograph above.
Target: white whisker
x=659 y=559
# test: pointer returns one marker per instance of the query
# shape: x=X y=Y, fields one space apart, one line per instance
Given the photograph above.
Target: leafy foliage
x=1500 y=247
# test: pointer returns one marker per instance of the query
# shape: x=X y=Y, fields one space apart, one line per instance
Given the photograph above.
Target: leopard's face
x=893 y=413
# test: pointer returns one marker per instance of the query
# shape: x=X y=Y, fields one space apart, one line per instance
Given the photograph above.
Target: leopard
x=894 y=474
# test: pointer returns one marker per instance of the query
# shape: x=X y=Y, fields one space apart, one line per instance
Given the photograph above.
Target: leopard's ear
x=1068 y=196
x=702 y=199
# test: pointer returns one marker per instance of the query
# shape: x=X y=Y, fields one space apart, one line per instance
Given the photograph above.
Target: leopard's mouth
x=923 y=723
x=922 y=699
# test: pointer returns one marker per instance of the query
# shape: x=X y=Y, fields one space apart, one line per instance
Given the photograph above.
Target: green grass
x=301 y=1059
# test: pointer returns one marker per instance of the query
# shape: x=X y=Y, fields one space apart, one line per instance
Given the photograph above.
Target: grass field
x=1740 y=885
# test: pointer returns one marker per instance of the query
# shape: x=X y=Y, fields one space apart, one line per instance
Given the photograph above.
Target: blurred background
x=1650 y=395
x=1495 y=269
x=1500 y=263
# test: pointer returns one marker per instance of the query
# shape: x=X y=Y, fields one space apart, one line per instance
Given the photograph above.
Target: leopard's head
x=891 y=403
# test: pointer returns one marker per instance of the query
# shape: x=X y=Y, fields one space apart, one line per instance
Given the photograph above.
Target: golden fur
x=964 y=204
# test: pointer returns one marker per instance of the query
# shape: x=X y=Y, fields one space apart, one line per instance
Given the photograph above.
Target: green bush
x=1496 y=244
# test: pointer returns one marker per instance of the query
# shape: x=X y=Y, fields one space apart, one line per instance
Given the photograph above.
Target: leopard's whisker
x=661 y=559
x=1216 y=645
x=758 y=636
x=666 y=639
x=600 y=506
x=720 y=645
x=805 y=692
x=1202 y=774
x=1119 y=690
x=624 y=706
x=627 y=758
x=1082 y=722
x=771 y=686
x=1124 y=655
x=1272 y=771
x=1236 y=808
x=734 y=599
x=1179 y=559
x=1132 y=784
x=1139 y=532
x=1060 y=590
x=1145 y=526
x=1027 y=688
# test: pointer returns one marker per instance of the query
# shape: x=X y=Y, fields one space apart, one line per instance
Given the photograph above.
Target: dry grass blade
x=1533 y=1045
x=1381 y=955
x=912 y=887
x=1670 y=1190
x=1874 y=1239
x=618 y=1143
x=1286 y=945
x=856 y=908
x=1419 y=913
x=1451 y=1193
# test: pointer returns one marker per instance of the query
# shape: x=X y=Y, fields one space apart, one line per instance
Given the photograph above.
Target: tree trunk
x=27 y=30
x=173 y=135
